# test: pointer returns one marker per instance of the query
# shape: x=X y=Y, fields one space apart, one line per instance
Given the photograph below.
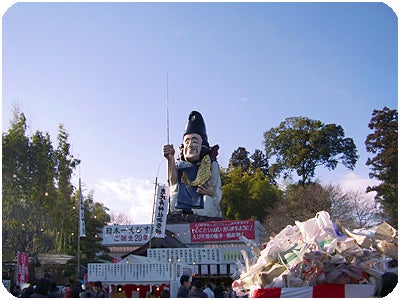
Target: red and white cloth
x=318 y=291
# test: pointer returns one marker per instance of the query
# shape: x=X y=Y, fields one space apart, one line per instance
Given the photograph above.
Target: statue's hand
x=168 y=151
x=206 y=189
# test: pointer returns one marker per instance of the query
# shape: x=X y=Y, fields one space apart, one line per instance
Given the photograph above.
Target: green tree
x=90 y=249
x=247 y=195
x=301 y=144
x=96 y=217
x=15 y=183
x=234 y=194
x=383 y=143
x=65 y=166
x=42 y=191
x=39 y=202
x=28 y=189
x=258 y=161
x=262 y=193
x=240 y=158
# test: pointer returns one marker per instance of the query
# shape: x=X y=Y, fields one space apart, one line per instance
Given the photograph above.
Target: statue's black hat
x=195 y=124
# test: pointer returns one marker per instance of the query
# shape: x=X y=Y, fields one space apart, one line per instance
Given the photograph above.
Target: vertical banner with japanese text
x=82 y=230
x=22 y=263
x=160 y=211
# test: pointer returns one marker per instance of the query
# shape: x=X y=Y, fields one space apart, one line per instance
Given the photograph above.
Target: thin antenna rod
x=167 y=114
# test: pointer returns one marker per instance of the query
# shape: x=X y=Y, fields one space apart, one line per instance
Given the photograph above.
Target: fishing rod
x=167 y=106
x=158 y=170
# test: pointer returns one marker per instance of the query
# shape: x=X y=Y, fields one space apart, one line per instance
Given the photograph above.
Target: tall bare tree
x=120 y=218
x=352 y=209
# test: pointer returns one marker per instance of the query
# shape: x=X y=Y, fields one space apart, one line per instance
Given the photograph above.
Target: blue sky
x=101 y=70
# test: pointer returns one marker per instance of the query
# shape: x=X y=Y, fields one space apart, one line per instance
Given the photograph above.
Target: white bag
x=316 y=229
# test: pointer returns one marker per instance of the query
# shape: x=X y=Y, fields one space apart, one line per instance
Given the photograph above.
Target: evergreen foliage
x=383 y=143
x=39 y=203
x=300 y=144
x=247 y=190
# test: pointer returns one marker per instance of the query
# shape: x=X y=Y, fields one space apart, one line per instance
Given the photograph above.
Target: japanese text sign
x=221 y=230
x=161 y=211
x=126 y=234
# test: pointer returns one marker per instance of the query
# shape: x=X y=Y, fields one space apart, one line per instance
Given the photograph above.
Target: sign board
x=137 y=272
x=199 y=256
x=188 y=256
x=22 y=264
x=230 y=230
x=114 y=235
x=160 y=211
x=198 y=232
x=169 y=264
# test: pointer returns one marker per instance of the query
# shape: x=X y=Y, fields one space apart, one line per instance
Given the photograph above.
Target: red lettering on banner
x=221 y=230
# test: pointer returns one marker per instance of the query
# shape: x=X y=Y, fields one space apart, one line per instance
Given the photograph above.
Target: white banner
x=213 y=269
x=187 y=255
x=143 y=272
x=223 y=270
x=204 y=269
x=223 y=255
x=82 y=230
x=160 y=211
x=114 y=235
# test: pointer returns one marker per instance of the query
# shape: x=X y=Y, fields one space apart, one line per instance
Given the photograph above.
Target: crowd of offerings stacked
x=316 y=252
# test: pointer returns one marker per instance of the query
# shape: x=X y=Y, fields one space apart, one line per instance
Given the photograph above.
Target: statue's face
x=192 y=146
